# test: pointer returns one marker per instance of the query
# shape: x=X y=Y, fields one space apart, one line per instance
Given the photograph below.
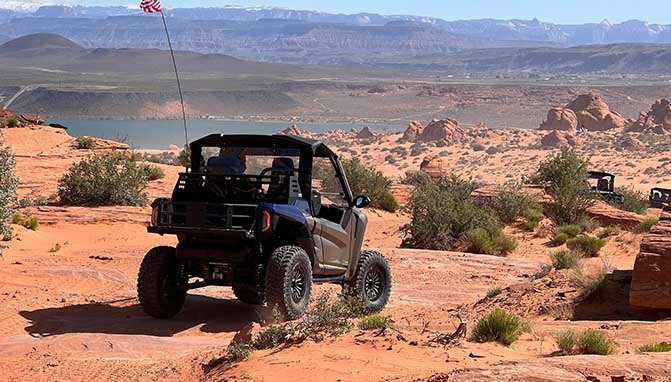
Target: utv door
x=334 y=230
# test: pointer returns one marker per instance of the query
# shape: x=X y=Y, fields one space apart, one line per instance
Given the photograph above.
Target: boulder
x=559 y=118
x=443 y=130
x=435 y=166
x=656 y=121
x=292 y=130
x=608 y=215
x=413 y=132
x=651 y=278
x=632 y=143
x=247 y=333
x=31 y=119
x=365 y=133
x=594 y=114
x=558 y=139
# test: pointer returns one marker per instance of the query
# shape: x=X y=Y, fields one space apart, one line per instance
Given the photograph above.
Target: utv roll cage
x=659 y=197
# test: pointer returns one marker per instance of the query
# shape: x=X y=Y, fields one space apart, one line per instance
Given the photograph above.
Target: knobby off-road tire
x=289 y=281
x=371 y=282
x=157 y=283
x=248 y=294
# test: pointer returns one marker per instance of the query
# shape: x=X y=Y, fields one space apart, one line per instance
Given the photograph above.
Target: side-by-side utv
x=267 y=215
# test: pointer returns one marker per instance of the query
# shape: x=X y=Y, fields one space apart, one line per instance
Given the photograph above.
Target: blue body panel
x=294 y=212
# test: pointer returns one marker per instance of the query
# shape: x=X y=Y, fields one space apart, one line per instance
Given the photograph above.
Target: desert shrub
x=493 y=292
x=271 y=337
x=500 y=326
x=478 y=147
x=607 y=232
x=165 y=157
x=153 y=172
x=13 y=122
x=595 y=342
x=29 y=222
x=542 y=271
x=512 y=203
x=86 y=143
x=658 y=347
x=567 y=341
x=565 y=260
x=494 y=150
x=588 y=283
x=634 y=200
x=367 y=181
x=238 y=352
x=8 y=185
x=564 y=176
x=586 y=245
x=416 y=149
x=375 y=321
x=56 y=247
x=571 y=230
x=442 y=212
x=184 y=157
x=417 y=178
x=558 y=239
x=533 y=218
x=104 y=180
x=647 y=224
x=327 y=318
x=495 y=243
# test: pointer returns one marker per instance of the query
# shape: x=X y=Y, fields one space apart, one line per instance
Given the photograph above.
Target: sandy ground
x=69 y=312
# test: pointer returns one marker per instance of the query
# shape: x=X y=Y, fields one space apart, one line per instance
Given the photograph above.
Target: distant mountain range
x=296 y=36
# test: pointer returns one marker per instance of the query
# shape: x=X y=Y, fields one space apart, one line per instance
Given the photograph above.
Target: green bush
x=271 y=337
x=417 y=178
x=375 y=321
x=184 y=157
x=500 y=326
x=493 y=292
x=29 y=222
x=595 y=342
x=442 y=212
x=647 y=224
x=634 y=200
x=607 y=232
x=153 y=172
x=238 y=352
x=512 y=203
x=589 y=341
x=559 y=239
x=86 y=143
x=104 y=180
x=571 y=230
x=8 y=185
x=658 y=347
x=533 y=218
x=586 y=245
x=564 y=177
x=367 y=181
x=565 y=260
x=567 y=341
x=13 y=122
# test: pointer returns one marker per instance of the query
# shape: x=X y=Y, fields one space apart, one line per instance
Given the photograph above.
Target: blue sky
x=564 y=11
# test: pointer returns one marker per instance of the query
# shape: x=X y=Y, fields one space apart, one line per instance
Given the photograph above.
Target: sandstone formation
x=435 y=166
x=557 y=139
x=651 y=278
x=20 y=119
x=560 y=118
x=656 y=121
x=413 y=131
x=608 y=215
x=365 y=133
x=630 y=142
x=292 y=130
x=442 y=130
x=594 y=114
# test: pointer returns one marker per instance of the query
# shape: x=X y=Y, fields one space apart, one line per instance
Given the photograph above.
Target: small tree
x=369 y=182
x=104 y=180
x=8 y=185
x=13 y=122
x=564 y=176
x=634 y=200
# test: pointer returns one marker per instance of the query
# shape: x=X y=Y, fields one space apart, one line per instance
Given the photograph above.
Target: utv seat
x=281 y=171
x=226 y=165
x=603 y=185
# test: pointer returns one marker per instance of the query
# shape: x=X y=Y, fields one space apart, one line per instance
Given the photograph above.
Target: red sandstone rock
x=443 y=130
x=594 y=114
x=560 y=118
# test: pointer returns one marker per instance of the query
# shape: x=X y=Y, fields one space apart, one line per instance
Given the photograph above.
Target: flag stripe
x=151 y=6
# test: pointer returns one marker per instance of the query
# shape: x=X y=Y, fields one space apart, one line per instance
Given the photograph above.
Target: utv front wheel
x=157 y=283
x=248 y=294
x=289 y=281
x=371 y=282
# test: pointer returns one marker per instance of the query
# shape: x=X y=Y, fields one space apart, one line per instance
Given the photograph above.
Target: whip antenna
x=154 y=6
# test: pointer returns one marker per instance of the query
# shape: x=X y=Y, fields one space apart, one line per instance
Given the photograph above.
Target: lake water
x=158 y=134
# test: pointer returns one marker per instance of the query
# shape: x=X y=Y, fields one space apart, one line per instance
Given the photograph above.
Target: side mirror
x=361 y=201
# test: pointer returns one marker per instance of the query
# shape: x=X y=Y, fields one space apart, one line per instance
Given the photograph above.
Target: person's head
x=236 y=153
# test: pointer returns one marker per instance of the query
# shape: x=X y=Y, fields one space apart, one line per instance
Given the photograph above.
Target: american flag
x=151 y=6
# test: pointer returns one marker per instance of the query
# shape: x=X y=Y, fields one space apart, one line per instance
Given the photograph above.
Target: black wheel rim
x=373 y=284
x=297 y=284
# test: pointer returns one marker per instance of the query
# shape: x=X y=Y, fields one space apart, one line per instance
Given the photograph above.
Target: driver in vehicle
x=230 y=161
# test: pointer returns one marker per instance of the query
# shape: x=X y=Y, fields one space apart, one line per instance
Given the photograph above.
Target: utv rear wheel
x=248 y=294
x=372 y=281
x=289 y=281
x=157 y=283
